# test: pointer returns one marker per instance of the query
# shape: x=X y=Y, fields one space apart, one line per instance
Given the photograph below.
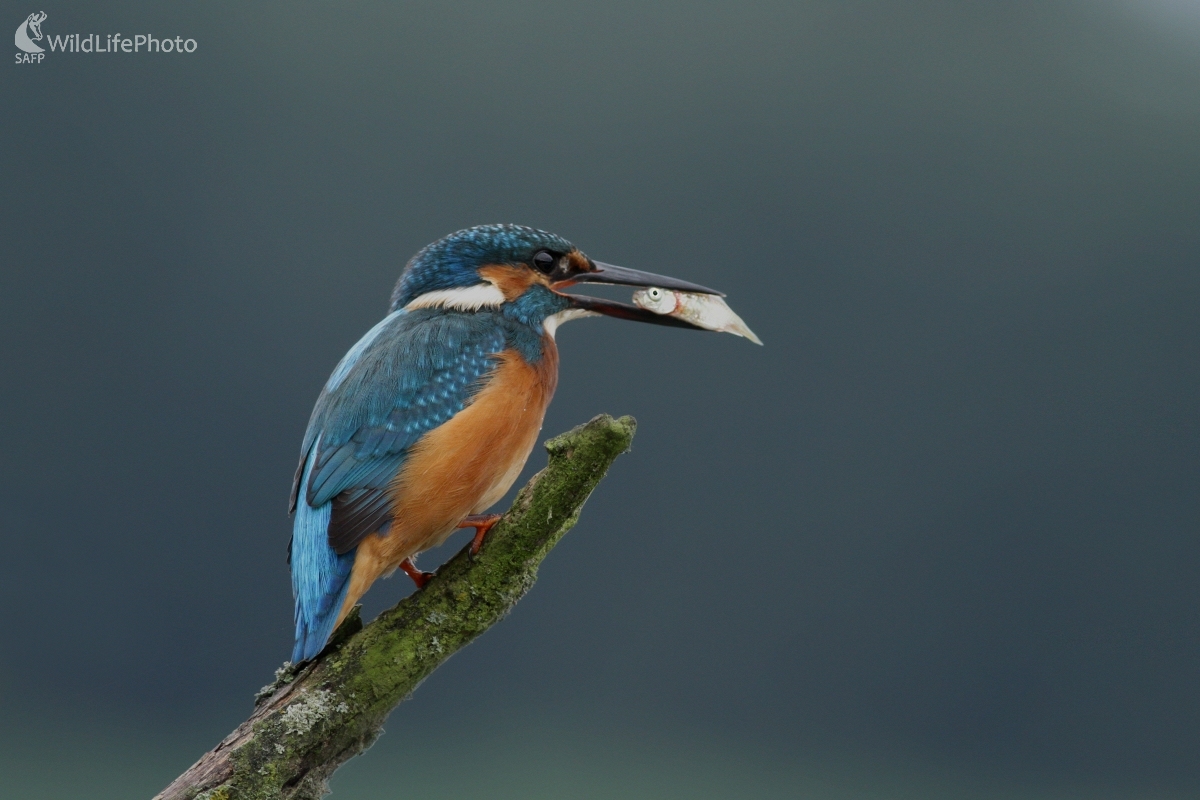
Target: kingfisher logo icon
x=31 y=25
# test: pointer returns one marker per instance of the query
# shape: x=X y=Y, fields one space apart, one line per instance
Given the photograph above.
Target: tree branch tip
x=602 y=425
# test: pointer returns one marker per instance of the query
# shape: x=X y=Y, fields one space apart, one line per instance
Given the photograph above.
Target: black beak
x=621 y=276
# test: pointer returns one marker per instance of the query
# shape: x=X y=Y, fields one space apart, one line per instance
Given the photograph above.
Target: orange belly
x=461 y=467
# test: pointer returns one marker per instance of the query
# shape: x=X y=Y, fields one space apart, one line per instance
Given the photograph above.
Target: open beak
x=621 y=276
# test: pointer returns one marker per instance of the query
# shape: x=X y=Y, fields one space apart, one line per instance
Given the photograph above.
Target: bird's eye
x=544 y=261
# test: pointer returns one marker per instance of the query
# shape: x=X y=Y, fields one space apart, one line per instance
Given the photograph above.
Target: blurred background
x=938 y=538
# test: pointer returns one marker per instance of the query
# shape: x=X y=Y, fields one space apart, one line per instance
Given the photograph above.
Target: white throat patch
x=551 y=323
x=462 y=298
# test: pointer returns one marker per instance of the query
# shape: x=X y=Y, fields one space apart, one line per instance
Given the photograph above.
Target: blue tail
x=320 y=577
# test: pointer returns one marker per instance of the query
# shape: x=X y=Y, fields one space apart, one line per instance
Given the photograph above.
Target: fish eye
x=544 y=261
x=655 y=293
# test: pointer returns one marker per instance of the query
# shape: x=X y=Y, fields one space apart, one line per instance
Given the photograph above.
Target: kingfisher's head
x=495 y=266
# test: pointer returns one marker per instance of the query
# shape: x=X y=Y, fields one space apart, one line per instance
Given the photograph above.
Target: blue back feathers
x=320 y=576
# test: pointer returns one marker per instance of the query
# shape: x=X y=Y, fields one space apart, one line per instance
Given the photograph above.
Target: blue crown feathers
x=453 y=260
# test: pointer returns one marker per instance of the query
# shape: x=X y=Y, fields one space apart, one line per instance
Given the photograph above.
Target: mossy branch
x=309 y=723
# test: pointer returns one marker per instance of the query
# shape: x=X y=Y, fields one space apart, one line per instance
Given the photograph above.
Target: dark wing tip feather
x=357 y=513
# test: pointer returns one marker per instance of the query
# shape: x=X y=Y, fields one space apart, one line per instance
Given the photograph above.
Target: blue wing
x=408 y=375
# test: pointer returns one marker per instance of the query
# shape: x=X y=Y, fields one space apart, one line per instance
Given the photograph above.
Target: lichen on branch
x=312 y=720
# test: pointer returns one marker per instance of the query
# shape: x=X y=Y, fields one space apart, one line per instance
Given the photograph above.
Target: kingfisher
x=428 y=420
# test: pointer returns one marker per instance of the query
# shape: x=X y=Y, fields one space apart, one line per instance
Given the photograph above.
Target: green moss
x=312 y=720
x=216 y=794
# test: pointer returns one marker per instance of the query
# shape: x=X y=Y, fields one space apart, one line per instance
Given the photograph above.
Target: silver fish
x=705 y=310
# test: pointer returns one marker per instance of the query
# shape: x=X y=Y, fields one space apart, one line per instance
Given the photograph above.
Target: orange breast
x=463 y=466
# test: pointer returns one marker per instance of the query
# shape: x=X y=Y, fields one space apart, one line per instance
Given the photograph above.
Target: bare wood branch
x=309 y=723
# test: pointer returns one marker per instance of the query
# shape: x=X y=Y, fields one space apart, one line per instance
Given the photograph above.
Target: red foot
x=482 y=523
x=418 y=577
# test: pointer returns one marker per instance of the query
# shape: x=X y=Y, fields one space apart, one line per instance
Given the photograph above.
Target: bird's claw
x=418 y=577
x=482 y=523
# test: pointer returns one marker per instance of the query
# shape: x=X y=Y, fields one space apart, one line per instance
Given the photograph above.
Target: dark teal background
x=938 y=538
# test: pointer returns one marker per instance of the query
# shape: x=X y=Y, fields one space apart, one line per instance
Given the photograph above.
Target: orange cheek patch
x=511 y=281
x=579 y=262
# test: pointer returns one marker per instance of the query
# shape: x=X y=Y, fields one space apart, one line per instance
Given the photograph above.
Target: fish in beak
x=691 y=305
x=612 y=275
